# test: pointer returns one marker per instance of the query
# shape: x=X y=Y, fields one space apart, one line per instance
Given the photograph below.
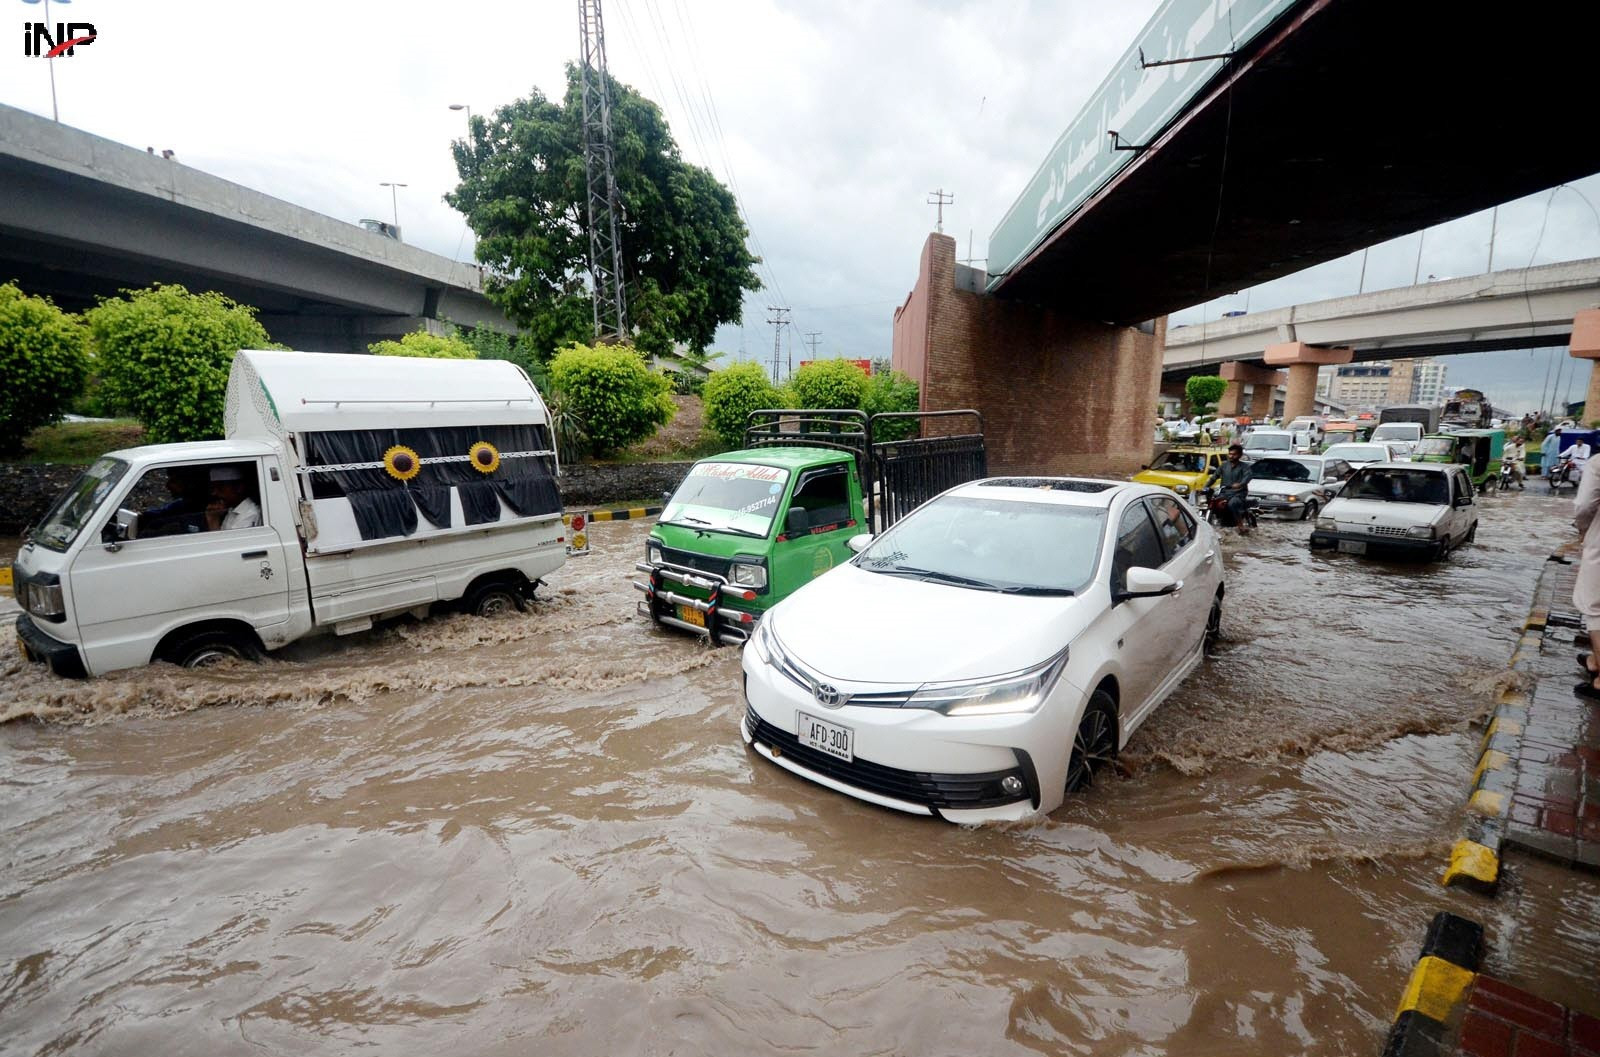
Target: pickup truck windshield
x=74 y=507
x=728 y=497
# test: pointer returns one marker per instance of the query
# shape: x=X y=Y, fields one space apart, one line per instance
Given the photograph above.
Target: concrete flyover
x=1521 y=308
x=82 y=217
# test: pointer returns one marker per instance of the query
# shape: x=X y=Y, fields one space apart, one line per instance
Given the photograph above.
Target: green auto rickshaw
x=1479 y=450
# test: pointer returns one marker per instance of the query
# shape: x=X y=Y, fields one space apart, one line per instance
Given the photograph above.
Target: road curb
x=629 y=513
x=1437 y=989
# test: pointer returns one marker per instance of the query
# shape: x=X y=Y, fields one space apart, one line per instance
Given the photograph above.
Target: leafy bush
x=686 y=383
x=614 y=395
x=44 y=360
x=493 y=345
x=164 y=355
x=1203 y=391
x=829 y=384
x=731 y=394
x=892 y=391
x=433 y=346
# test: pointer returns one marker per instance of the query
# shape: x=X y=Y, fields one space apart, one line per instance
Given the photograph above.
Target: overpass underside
x=1348 y=123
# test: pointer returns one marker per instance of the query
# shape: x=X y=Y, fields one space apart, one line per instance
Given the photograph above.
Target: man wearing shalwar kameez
x=1586 y=591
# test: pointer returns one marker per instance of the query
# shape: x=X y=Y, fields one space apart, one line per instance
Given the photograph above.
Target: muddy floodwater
x=542 y=834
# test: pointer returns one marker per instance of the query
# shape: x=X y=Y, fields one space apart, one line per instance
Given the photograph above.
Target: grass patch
x=80 y=443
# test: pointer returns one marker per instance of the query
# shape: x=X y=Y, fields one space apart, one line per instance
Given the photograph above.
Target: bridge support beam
x=1239 y=374
x=1585 y=345
x=1302 y=360
x=1059 y=394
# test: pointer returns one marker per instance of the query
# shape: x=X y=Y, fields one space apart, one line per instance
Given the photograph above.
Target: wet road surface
x=542 y=833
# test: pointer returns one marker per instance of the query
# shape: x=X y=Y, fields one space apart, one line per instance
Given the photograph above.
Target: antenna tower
x=605 y=249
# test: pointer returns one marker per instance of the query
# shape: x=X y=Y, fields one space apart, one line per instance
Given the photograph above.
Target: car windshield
x=1268 y=442
x=737 y=497
x=994 y=545
x=1285 y=470
x=73 y=508
x=1435 y=446
x=1359 y=452
x=1180 y=462
x=1400 y=486
x=1397 y=431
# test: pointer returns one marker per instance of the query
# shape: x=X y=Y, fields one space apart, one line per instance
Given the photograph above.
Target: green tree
x=829 y=384
x=523 y=191
x=432 y=346
x=731 y=394
x=164 y=354
x=892 y=391
x=44 y=360
x=613 y=394
x=1203 y=391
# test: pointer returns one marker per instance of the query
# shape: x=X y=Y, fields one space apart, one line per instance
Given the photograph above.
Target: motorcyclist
x=1235 y=476
x=1514 y=457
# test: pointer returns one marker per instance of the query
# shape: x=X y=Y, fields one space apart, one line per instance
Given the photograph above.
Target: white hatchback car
x=1421 y=509
x=980 y=659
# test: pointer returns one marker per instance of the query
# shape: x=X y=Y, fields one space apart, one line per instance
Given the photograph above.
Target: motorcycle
x=1218 y=513
x=1561 y=474
x=1507 y=477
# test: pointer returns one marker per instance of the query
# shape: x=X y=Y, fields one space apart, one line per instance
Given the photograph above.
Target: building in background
x=1428 y=382
x=1370 y=386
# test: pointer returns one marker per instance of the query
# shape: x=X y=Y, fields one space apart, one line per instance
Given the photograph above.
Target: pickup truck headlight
x=44 y=600
x=749 y=574
x=652 y=552
x=1327 y=524
x=1420 y=531
x=1022 y=691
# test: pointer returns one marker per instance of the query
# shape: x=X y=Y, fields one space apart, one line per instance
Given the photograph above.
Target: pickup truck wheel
x=493 y=600
x=206 y=649
x=1095 y=744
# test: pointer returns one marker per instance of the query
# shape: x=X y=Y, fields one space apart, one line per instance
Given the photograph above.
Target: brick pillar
x=1586 y=346
x=1239 y=374
x=1303 y=361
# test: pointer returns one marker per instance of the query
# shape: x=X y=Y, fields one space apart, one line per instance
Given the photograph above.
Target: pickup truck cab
x=350 y=488
x=747 y=528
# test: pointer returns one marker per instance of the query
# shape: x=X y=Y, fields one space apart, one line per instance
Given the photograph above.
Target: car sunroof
x=1051 y=483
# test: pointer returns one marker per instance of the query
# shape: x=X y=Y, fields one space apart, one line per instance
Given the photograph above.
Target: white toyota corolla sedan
x=984 y=656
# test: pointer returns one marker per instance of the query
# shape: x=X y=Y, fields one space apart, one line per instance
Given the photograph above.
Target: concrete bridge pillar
x=1302 y=360
x=1585 y=345
x=1239 y=374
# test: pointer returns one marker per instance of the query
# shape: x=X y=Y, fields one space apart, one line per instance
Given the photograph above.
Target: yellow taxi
x=1183 y=468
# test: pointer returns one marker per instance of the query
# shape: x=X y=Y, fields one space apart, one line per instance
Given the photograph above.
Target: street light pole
x=394 y=200
x=463 y=106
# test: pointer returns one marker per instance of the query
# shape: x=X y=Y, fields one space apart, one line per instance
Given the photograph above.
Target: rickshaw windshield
x=1435 y=446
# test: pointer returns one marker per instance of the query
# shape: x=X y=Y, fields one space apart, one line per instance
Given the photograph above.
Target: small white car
x=988 y=653
x=1362 y=453
x=1263 y=441
x=1296 y=486
x=1409 y=508
x=1403 y=435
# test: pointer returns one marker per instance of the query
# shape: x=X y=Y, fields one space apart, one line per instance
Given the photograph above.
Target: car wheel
x=1472 y=533
x=1310 y=511
x=1444 y=548
x=1095 y=744
x=1213 y=625
x=207 y=649
x=493 y=600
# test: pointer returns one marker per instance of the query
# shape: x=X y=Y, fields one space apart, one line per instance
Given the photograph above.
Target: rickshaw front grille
x=704 y=563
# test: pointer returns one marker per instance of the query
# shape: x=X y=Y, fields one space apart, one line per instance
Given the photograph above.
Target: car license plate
x=691 y=615
x=828 y=737
x=1352 y=547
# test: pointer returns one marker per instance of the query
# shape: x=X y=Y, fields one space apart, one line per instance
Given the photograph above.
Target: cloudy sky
x=832 y=121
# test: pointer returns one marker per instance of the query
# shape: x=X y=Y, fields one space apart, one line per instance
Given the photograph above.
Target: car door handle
x=247 y=555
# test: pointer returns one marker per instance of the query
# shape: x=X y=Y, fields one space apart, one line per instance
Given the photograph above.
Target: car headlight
x=749 y=574
x=1420 y=531
x=1327 y=524
x=652 y=552
x=1181 y=489
x=762 y=640
x=1022 y=691
x=44 y=600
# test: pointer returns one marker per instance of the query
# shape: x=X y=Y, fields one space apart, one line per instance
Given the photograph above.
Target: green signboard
x=1137 y=103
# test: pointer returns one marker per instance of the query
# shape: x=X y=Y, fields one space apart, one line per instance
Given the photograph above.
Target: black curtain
x=386 y=507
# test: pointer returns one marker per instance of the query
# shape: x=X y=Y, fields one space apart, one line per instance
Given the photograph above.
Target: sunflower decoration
x=402 y=463
x=485 y=458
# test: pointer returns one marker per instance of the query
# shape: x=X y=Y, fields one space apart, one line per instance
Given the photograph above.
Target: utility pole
x=812 y=338
x=779 y=320
x=941 y=198
x=605 y=249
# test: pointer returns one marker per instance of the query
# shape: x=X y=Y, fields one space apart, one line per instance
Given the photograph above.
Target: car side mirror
x=666 y=497
x=120 y=529
x=858 y=543
x=798 y=519
x=1463 y=500
x=1141 y=582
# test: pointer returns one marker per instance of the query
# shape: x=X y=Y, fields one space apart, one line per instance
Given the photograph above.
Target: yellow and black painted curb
x=1438 y=987
x=1475 y=859
x=630 y=513
x=5 y=576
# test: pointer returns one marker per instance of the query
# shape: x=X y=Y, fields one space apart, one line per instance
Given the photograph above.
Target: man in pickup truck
x=231 y=506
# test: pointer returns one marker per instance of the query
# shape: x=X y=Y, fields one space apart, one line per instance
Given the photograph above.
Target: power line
x=605 y=249
x=813 y=337
x=778 y=321
x=941 y=198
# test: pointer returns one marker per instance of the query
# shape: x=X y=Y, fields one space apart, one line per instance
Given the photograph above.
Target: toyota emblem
x=827 y=696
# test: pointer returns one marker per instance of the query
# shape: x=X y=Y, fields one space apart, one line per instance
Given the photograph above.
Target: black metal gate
x=907 y=473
